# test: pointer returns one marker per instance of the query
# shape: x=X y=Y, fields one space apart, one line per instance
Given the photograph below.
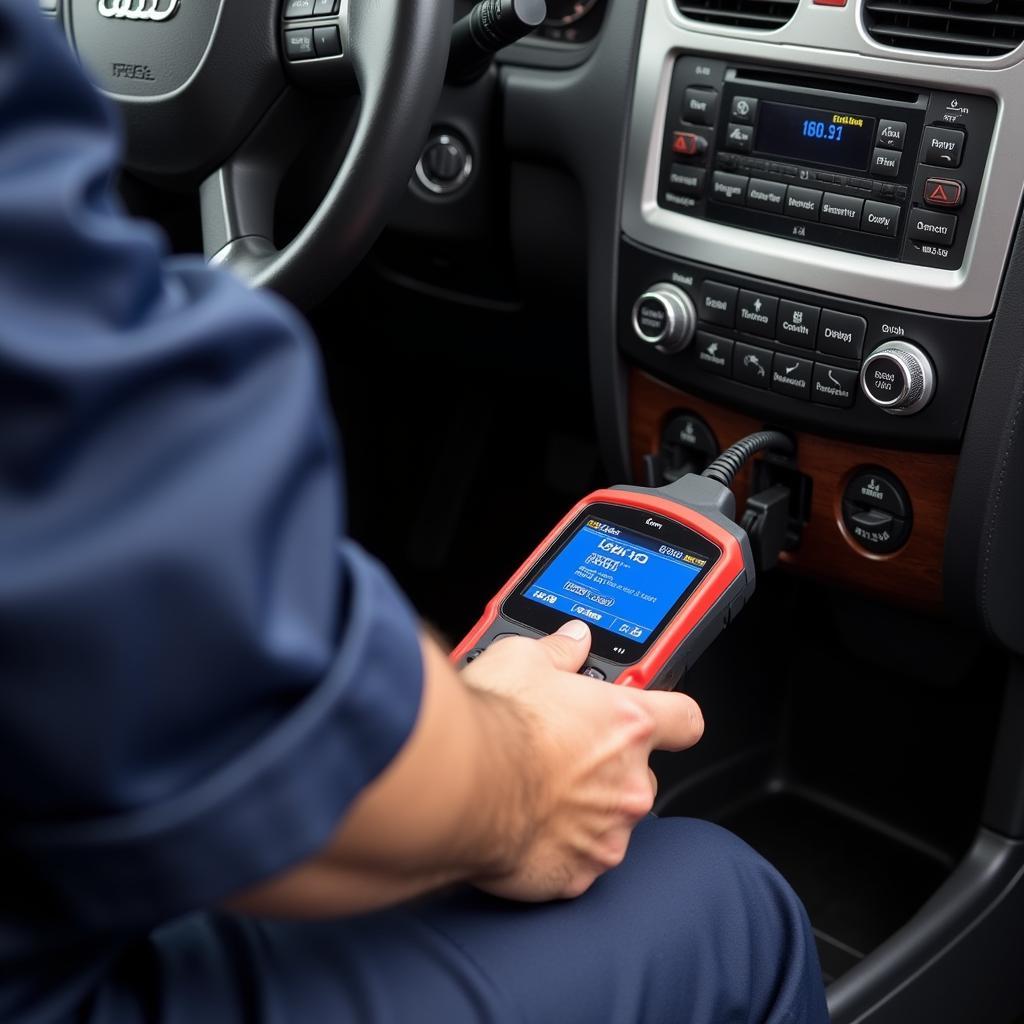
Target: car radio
x=866 y=169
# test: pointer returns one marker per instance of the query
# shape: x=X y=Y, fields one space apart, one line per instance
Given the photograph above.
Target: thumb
x=568 y=648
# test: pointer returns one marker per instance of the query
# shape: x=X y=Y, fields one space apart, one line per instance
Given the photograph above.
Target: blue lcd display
x=834 y=137
x=615 y=579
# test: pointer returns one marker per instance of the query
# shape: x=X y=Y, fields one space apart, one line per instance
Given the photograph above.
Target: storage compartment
x=849 y=744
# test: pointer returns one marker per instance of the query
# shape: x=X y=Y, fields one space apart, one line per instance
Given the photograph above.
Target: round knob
x=898 y=378
x=665 y=317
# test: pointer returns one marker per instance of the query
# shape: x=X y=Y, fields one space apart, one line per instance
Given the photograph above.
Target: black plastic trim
x=984 y=558
x=576 y=117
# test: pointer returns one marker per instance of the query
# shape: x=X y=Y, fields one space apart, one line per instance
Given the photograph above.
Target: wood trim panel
x=910 y=576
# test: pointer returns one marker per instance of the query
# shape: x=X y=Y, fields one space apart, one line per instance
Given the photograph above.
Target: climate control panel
x=797 y=357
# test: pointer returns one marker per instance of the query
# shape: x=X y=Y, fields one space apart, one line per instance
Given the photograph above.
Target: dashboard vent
x=968 y=28
x=760 y=14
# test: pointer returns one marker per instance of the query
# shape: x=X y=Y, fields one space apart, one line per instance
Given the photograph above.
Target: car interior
x=552 y=247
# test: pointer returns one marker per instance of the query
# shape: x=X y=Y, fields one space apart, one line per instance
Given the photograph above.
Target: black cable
x=730 y=462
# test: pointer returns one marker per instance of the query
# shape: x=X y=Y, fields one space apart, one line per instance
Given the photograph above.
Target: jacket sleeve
x=198 y=672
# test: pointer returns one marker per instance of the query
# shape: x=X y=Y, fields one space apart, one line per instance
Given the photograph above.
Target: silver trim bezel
x=833 y=38
x=447 y=188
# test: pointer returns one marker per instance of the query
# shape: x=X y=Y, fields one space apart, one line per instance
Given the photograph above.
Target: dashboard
x=821 y=251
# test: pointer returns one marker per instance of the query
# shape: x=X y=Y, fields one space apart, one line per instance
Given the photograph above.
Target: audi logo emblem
x=139 y=10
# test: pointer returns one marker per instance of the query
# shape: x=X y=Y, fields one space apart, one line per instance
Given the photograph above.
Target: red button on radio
x=943 y=192
x=689 y=144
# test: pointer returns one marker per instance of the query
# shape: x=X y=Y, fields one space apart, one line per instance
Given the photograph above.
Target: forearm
x=455 y=804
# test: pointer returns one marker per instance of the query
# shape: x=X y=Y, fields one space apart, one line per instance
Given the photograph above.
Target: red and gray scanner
x=656 y=573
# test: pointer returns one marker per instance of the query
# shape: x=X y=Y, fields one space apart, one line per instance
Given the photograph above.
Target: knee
x=728 y=915
x=711 y=876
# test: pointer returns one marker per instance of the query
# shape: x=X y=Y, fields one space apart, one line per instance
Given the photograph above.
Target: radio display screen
x=818 y=136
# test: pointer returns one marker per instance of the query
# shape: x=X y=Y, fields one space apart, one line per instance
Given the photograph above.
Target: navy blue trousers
x=693 y=927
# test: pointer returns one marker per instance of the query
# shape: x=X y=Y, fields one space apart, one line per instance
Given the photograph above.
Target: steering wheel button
x=299 y=9
x=324 y=7
x=328 y=41
x=298 y=44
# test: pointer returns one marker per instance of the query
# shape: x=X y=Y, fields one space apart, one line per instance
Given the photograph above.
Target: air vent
x=760 y=14
x=990 y=28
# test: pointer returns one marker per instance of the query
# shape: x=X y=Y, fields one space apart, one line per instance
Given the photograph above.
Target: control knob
x=898 y=377
x=665 y=317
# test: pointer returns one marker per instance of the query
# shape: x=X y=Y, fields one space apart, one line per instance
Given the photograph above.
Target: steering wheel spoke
x=316 y=43
x=220 y=98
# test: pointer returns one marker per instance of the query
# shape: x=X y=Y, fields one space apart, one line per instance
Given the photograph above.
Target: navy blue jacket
x=198 y=672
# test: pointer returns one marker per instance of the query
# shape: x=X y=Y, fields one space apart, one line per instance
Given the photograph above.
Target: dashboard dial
x=565 y=12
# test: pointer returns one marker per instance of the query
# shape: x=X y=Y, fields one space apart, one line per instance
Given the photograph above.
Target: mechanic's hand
x=590 y=781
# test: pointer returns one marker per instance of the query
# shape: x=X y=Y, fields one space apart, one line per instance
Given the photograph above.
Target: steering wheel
x=211 y=90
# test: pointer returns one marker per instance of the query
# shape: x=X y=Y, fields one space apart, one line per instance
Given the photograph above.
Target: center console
x=814 y=230
x=816 y=221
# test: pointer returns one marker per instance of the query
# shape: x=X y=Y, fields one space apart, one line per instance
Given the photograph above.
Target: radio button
x=687 y=181
x=689 y=144
x=886 y=163
x=791 y=375
x=891 y=134
x=743 y=110
x=729 y=188
x=752 y=365
x=804 y=203
x=798 y=324
x=766 y=195
x=756 y=314
x=840 y=334
x=739 y=138
x=943 y=147
x=880 y=218
x=929 y=226
x=678 y=201
x=700 y=106
x=713 y=354
x=841 y=210
x=833 y=385
x=718 y=303
x=946 y=192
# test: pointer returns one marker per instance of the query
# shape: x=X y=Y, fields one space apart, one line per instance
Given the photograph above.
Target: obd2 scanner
x=657 y=573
